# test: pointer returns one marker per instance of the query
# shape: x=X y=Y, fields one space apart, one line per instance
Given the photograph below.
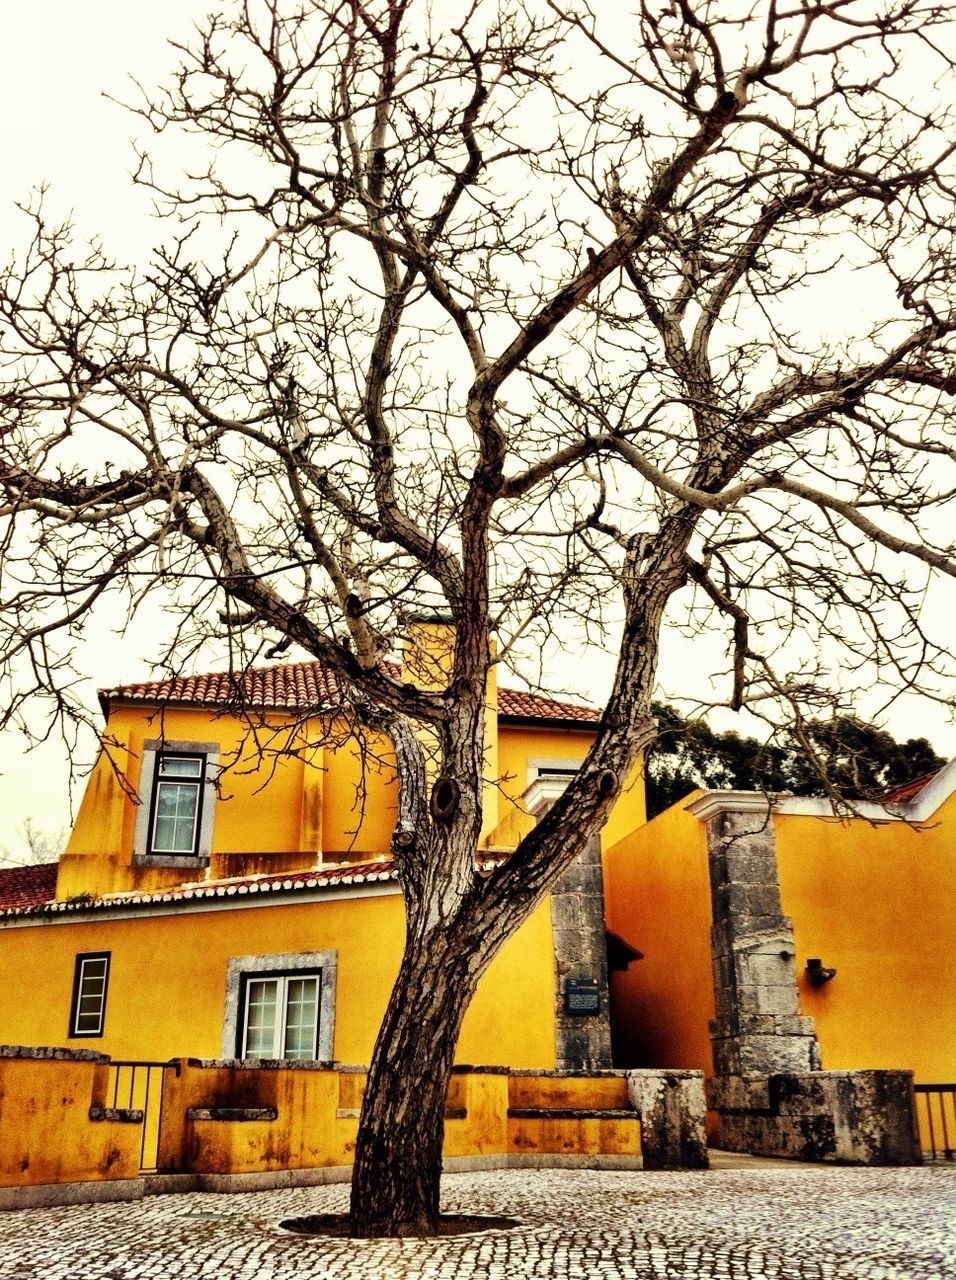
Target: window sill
x=170 y=860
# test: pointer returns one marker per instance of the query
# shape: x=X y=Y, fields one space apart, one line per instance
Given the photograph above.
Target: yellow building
x=227 y=890
x=784 y=939
x=227 y=896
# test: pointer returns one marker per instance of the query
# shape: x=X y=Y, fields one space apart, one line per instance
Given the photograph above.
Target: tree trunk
x=398 y=1153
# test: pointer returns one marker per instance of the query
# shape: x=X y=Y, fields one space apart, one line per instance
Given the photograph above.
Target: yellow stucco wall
x=658 y=900
x=289 y=796
x=520 y=744
x=878 y=904
x=313 y=1120
x=46 y=1134
x=279 y=794
x=168 y=979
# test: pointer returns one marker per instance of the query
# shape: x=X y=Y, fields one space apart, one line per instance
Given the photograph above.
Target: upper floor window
x=177 y=800
x=177 y=804
x=91 y=977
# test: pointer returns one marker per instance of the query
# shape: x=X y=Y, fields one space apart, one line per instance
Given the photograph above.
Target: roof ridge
x=278 y=684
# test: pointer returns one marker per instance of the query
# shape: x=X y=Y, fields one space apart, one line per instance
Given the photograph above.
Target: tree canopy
x=862 y=761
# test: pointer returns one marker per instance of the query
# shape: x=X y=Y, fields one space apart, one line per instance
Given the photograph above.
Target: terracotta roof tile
x=909 y=790
x=304 y=686
x=381 y=870
x=24 y=887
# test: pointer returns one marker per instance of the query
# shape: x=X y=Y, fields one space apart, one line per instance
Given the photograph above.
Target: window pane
x=181 y=767
x=90 y=996
x=261 y=1004
x=302 y=1004
x=174 y=828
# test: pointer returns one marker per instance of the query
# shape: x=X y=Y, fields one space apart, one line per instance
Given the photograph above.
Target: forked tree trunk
x=398 y=1154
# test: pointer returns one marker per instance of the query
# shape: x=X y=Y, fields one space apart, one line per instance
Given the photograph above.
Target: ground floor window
x=280 y=1016
x=91 y=975
x=280 y=1006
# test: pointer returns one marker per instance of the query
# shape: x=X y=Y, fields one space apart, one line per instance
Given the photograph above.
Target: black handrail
x=135 y=1067
x=941 y=1144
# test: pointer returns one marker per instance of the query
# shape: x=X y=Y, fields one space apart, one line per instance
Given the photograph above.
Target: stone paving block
x=749 y=1222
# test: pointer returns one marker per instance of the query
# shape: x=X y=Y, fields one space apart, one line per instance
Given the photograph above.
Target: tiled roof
x=305 y=686
x=24 y=887
x=519 y=705
x=909 y=790
x=243 y=887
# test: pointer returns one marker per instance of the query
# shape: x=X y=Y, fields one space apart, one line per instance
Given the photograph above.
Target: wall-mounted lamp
x=817 y=973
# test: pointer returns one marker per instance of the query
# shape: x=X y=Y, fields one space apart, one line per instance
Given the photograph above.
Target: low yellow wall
x=317 y=1118
x=307 y=1133
x=47 y=1137
x=657 y=890
x=46 y=1134
x=167 y=983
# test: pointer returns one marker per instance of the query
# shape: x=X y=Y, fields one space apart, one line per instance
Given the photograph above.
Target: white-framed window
x=176 y=804
x=280 y=1015
x=177 y=799
x=560 y=770
x=280 y=1006
x=91 y=975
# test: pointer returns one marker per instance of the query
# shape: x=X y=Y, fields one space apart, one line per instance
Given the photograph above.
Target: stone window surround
x=549 y=767
x=287 y=962
x=152 y=749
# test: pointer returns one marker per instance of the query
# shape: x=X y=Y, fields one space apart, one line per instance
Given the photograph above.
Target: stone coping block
x=116 y=1115
x=239 y=1115
x=549 y=1073
x=572 y=1113
x=48 y=1052
x=266 y=1064
x=461 y=1069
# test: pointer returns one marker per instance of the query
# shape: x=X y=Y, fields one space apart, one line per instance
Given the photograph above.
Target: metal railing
x=936 y=1113
x=138 y=1086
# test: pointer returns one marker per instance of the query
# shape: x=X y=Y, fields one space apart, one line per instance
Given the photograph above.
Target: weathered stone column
x=758 y=1029
x=582 y=1040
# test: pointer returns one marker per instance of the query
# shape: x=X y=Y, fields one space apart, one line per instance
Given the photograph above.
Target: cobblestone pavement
x=782 y=1223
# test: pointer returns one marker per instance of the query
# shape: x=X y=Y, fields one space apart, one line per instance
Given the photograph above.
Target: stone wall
x=770 y=1095
x=671 y=1107
x=843 y=1117
x=582 y=1041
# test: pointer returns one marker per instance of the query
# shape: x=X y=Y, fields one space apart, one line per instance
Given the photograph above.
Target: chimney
x=428 y=655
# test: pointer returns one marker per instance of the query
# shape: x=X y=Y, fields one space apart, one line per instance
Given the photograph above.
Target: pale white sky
x=58 y=62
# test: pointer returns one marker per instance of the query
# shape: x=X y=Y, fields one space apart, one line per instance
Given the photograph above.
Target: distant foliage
x=854 y=758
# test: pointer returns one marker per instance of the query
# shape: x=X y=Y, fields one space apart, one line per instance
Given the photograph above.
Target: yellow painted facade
x=658 y=898
x=168 y=972
x=283 y=805
x=878 y=904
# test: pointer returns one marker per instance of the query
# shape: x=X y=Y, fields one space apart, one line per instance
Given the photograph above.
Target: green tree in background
x=865 y=762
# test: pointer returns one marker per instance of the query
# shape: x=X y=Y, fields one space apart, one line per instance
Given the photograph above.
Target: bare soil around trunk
x=336 y=1226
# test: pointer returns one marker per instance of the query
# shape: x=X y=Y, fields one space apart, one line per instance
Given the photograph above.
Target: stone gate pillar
x=582 y=1040
x=759 y=1028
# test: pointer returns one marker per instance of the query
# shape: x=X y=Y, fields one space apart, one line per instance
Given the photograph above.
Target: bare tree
x=35 y=846
x=534 y=315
